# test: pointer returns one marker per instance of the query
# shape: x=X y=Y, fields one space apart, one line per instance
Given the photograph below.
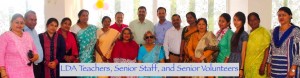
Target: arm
x=166 y=46
x=244 y=48
x=2 y=56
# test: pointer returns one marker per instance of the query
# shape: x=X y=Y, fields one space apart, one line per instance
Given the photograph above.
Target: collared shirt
x=37 y=43
x=140 y=28
x=119 y=28
x=172 y=41
x=160 y=30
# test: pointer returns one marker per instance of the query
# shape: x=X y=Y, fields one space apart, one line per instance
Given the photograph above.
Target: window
x=292 y=4
x=209 y=9
x=9 y=8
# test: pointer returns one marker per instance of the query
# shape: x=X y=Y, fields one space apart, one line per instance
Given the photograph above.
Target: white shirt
x=75 y=28
x=172 y=41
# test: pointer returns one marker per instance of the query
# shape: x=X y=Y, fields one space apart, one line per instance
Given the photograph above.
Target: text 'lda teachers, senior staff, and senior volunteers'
x=147 y=69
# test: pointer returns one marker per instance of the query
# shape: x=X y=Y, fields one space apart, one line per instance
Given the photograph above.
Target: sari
x=154 y=56
x=71 y=46
x=258 y=41
x=87 y=40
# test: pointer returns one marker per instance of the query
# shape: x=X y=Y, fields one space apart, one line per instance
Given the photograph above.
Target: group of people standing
x=259 y=53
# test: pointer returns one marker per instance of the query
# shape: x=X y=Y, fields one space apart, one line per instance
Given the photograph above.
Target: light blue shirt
x=37 y=43
x=160 y=31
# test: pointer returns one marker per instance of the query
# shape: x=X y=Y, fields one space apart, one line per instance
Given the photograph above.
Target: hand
x=291 y=74
x=262 y=69
x=35 y=57
x=104 y=59
x=52 y=65
x=241 y=74
x=180 y=59
x=3 y=74
x=67 y=58
x=167 y=60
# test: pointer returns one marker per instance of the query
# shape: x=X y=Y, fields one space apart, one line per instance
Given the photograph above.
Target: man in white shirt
x=141 y=25
x=172 y=40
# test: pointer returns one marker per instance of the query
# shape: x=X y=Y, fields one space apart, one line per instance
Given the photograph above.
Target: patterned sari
x=87 y=40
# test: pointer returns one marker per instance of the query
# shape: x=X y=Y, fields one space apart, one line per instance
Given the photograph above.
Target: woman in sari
x=106 y=39
x=224 y=36
x=54 y=48
x=202 y=44
x=257 y=48
x=239 y=42
x=125 y=49
x=284 y=58
x=150 y=52
x=70 y=39
x=186 y=34
x=14 y=47
x=86 y=38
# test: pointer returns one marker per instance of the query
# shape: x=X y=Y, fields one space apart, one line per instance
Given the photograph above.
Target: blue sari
x=87 y=40
x=154 y=56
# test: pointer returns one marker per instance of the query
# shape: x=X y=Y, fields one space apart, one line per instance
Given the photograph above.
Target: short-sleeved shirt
x=243 y=37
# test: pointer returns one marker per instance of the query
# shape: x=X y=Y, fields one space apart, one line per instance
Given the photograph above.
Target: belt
x=174 y=54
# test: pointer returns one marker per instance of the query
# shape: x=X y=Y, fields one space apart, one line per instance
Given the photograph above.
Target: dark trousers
x=38 y=70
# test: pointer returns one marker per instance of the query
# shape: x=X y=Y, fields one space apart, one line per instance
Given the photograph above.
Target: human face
x=126 y=35
x=161 y=14
x=190 y=19
x=142 y=14
x=52 y=27
x=223 y=23
x=202 y=27
x=84 y=17
x=30 y=21
x=66 y=25
x=176 y=21
x=149 y=38
x=17 y=25
x=283 y=17
x=119 y=18
x=106 y=22
x=253 y=22
x=237 y=22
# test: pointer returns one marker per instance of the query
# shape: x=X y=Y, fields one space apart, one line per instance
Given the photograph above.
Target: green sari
x=259 y=40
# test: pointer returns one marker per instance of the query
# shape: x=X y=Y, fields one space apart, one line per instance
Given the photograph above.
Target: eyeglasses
x=149 y=37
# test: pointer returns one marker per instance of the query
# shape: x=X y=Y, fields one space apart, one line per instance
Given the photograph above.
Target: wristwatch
x=293 y=70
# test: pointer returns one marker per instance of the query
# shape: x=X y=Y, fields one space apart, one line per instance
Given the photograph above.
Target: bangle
x=3 y=76
x=242 y=69
x=293 y=70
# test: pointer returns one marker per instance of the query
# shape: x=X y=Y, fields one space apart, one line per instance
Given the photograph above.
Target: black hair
x=287 y=10
x=227 y=18
x=161 y=8
x=130 y=32
x=253 y=14
x=175 y=15
x=50 y=20
x=202 y=19
x=65 y=19
x=80 y=13
x=241 y=16
x=105 y=17
x=142 y=7
x=192 y=14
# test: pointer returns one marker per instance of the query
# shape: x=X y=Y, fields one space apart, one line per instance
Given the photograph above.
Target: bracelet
x=3 y=76
x=242 y=69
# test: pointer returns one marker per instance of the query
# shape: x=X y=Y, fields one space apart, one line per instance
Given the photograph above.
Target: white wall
x=264 y=9
x=54 y=8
